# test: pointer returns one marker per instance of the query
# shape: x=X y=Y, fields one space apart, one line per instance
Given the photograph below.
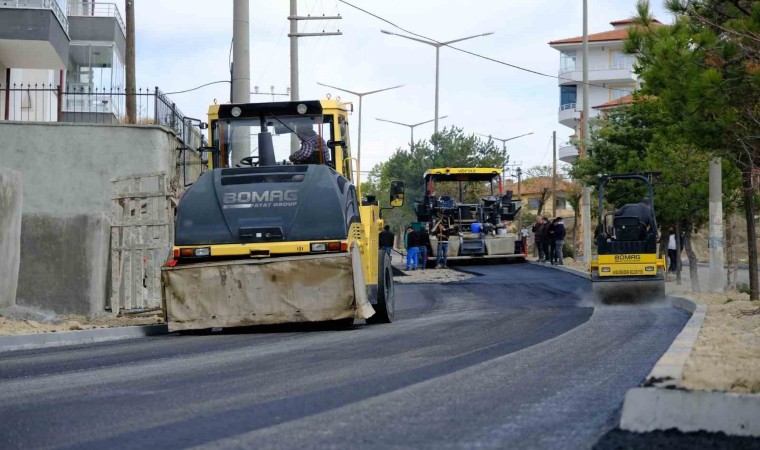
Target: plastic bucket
x=475 y=228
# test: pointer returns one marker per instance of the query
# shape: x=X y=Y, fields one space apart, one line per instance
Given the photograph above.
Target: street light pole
x=411 y=126
x=437 y=46
x=359 y=143
x=519 y=170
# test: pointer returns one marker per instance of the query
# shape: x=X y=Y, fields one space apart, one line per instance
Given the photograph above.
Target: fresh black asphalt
x=516 y=358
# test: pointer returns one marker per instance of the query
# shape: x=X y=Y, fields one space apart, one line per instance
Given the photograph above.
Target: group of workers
x=418 y=244
x=550 y=239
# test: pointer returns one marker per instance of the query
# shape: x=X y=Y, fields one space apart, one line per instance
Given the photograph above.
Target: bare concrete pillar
x=10 y=235
x=715 y=241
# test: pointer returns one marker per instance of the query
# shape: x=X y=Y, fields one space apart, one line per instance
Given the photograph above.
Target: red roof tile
x=611 y=35
x=617 y=102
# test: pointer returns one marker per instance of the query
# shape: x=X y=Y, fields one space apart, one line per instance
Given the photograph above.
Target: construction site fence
x=92 y=105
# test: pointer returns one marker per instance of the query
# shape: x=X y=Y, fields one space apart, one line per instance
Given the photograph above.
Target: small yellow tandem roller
x=627 y=270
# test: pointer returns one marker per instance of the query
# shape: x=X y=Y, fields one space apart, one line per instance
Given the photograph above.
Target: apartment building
x=49 y=48
x=610 y=76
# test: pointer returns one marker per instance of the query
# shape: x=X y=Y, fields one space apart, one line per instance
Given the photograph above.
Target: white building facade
x=57 y=57
x=610 y=75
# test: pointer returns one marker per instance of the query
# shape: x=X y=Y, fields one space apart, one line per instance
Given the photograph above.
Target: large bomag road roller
x=259 y=241
x=627 y=269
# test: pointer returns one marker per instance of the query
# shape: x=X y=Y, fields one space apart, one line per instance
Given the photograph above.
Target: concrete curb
x=660 y=405
x=33 y=341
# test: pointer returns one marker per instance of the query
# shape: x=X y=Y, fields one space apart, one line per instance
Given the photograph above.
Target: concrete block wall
x=10 y=235
x=64 y=262
x=65 y=232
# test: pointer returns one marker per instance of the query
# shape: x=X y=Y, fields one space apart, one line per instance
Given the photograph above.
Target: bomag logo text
x=627 y=258
x=260 y=199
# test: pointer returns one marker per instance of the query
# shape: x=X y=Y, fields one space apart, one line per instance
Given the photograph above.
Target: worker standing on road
x=412 y=248
x=424 y=241
x=550 y=244
x=559 y=239
x=442 y=253
x=538 y=236
x=386 y=239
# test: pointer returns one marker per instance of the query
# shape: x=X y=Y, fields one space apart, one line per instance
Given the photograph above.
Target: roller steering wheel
x=249 y=161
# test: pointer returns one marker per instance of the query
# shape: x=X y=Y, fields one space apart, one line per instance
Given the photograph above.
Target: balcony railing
x=96 y=9
x=614 y=66
x=39 y=4
x=567 y=106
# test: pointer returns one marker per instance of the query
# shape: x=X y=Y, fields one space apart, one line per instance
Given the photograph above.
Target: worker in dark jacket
x=559 y=240
x=538 y=236
x=551 y=243
x=386 y=239
x=424 y=241
x=412 y=249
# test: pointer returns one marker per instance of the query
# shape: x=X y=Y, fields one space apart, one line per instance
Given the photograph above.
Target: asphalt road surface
x=516 y=358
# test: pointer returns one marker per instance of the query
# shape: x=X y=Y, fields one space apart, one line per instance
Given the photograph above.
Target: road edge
x=660 y=405
x=18 y=342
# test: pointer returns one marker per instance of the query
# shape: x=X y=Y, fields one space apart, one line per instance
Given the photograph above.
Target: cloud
x=182 y=44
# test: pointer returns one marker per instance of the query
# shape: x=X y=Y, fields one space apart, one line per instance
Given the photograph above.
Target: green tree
x=705 y=71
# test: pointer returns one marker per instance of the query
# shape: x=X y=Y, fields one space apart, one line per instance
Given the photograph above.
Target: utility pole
x=295 y=93
x=129 y=6
x=554 y=174
x=715 y=241
x=586 y=210
x=241 y=74
x=519 y=197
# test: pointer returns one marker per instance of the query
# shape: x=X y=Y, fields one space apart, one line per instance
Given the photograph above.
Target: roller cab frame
x=627 y=268
x=259 y=240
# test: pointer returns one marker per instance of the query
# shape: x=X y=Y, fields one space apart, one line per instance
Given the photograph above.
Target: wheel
x=385 y=306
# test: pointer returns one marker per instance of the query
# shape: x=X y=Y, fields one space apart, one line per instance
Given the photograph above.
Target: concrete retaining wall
x=67 y=171
x=10 y=235
x=64 y=263
x=67 y=168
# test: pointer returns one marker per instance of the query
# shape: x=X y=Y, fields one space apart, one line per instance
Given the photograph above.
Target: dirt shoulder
x=726 y=354
x=17 y=320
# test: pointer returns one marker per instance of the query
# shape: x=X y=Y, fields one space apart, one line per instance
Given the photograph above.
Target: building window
x=617 y=92
x=560 y=203
x=620 y=60
x=534 y=203
x=567 y=60
x=568 y=96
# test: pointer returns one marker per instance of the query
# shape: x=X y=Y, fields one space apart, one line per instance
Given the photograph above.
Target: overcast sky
x=185 y=43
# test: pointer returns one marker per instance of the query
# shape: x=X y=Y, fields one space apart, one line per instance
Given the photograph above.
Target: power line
x=477 y=55
x=198 y=87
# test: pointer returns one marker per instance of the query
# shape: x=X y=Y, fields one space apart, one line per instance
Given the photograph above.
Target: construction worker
x=412 y=249
x=386 y=239
x=424 y=241
x=313 y=148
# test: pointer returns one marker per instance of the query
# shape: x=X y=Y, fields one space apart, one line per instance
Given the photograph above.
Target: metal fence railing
x=52 y=5
x=85 y=104
x=96 y=9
